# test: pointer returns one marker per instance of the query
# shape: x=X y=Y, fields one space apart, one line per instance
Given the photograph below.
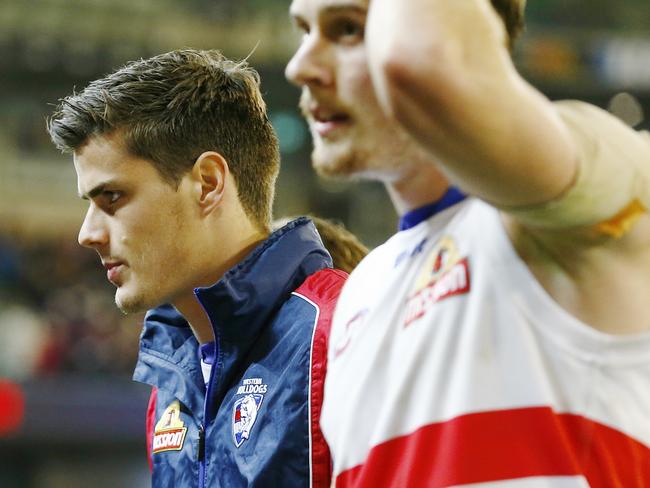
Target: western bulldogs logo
x=246 y=409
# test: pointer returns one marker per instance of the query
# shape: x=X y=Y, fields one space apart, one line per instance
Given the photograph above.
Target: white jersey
x=449 y=365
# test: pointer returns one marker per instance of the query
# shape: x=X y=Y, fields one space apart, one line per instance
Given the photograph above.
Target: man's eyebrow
x=94 y=192
x=333 y=10
x=345 y=8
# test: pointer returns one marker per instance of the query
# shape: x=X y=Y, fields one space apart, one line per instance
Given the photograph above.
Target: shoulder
x=322 y=290
x=322 y=287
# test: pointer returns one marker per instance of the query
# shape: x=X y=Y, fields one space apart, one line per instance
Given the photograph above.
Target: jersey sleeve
x=612 y=186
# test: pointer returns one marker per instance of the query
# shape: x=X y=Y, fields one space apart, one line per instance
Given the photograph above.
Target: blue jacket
x=257 y=423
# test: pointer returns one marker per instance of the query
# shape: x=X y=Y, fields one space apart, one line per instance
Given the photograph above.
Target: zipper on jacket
x=206 y=420
x=201 y=453
x=201 y=456
x=202 y=448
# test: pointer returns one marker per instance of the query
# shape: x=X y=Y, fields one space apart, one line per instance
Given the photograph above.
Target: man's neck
x=188 y=305
x=419 y=186
x=190 y=308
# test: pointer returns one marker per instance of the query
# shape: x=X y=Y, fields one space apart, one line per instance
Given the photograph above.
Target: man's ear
x=210 y=172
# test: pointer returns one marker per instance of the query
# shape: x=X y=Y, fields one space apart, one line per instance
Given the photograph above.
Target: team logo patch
x=169 y=433
x=445 y=274
x=246 y=408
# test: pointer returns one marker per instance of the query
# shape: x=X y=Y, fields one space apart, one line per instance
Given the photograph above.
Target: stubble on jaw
x=139 y=302
x=336 y=166
x=360 y=162
x=340 y=160
x=330 y=159
x=149 y=291
x=134 y=305
x=370 y=149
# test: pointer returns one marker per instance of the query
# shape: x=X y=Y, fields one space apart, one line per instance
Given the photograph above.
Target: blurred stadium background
x=61 y=339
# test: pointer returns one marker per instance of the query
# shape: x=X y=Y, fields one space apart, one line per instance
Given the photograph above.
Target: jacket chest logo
x=445 y=274
x=169 y=433
x=246 y=408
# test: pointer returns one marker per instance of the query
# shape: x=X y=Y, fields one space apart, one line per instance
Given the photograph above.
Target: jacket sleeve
x=322 y=289
x=151 y=422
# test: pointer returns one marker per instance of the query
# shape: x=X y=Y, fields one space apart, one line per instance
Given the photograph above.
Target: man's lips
x=113 y=271
x=326 y=121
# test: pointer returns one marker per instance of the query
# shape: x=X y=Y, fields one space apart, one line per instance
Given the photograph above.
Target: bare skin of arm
x=443 y=70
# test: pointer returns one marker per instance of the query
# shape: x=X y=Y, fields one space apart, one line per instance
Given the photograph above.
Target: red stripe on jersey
x=502 y=445
x=150 y=424
x=321 y=288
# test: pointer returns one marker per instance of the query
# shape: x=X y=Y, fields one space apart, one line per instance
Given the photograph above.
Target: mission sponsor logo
x=169 y=433
x=246 y=409
x=445 y=274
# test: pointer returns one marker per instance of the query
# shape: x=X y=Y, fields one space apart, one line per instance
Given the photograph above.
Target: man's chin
x=132 y=304
x=328 y=164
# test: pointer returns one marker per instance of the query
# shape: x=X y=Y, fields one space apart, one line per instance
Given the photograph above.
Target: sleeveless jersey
x=450 y=365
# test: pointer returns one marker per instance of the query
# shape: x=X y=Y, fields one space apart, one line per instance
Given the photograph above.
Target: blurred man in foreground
x=504 y=336
x=177 y=159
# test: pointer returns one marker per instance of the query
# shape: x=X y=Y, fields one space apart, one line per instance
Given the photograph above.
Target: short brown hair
x=173 y=107
x=344 y=247
x=512 y=14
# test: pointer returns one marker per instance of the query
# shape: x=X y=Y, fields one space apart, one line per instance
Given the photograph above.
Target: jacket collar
x=241 y=302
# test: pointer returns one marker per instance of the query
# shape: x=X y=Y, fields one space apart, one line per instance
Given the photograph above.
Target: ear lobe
x=210 y=171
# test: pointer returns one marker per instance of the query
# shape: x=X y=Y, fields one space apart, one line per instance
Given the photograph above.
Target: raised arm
x=443 y=69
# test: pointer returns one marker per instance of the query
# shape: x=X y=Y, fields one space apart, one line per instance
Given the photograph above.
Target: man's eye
x=349 y=30
x=112 y=196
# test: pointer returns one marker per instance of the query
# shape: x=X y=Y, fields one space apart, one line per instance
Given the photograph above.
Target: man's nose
x=93 y=232
x=310 y=64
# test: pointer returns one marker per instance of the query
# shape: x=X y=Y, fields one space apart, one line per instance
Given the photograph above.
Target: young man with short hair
x=178 y=160
x=493 y=341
